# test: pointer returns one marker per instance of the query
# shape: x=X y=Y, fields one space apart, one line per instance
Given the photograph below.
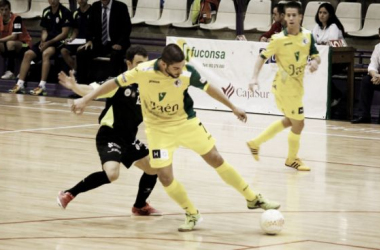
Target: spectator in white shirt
x=329 y=28
x=369 y=84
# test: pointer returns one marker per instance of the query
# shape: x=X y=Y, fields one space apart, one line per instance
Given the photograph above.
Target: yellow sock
x=294 y=145
x=233 y=178
x=269 y=133
x=177 y=192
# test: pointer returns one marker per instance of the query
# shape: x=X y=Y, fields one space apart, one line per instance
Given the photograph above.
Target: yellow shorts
x=291 y=106
x=164 y=140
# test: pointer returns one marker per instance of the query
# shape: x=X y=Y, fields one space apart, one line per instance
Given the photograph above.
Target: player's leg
x=110 y=151
x=138 y=154
x=294 y=111
x=273 y=129
x=162 y=143
x=230 y=176
x=202 y=142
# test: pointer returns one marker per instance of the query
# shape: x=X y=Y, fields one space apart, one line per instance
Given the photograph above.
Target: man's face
x=82 y=2
x=105 y=2
x=174 y=70
x=275 y=15
x=53 y=3
x=5 y=12
x=293 y=18
x=136 y=61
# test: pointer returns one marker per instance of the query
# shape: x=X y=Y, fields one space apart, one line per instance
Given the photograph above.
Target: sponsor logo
x=17 y=25
x=300 y=110
x=305 y=41
x=161 y=96
x=190 y=52
x=156 y=110
x=57 y=20
x=160 y=154
x=124 y=78
x=245 y=93
x=114 y=148
x=112 y=144
x=229 y=90
x=154 y=81
x=286 y=44
x=297 y=55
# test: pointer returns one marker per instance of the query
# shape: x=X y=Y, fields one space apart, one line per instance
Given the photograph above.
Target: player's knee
x=165 y=179
x=112 y=175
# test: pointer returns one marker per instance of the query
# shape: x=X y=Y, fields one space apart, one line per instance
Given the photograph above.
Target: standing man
x=55 y=23
x=14 y=39
x=171 y=122
x=292 y=48
x=108 y=33
x=116 y=139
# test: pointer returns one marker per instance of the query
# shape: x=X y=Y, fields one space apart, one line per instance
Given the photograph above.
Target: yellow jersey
x=292 y=53
x=165 y=100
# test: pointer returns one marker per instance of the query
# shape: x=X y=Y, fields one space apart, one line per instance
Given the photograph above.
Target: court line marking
x=46 y=129
x=207 y=123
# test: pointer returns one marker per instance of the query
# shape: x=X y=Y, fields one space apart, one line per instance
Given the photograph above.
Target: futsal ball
x=272 y=221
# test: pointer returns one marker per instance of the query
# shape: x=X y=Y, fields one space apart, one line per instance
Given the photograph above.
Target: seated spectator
x=108 y=34
x=278 y=22
x=80 y=24
x=14 y=38
x=329 y=28
x=55 y=23
x=240 y=10
x=369 y=84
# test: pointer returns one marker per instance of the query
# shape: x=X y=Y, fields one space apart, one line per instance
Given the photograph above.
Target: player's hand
x=86 y=46
x=116 y=47
x=313 y=65
x=253 y=85
x=78 y=106
x=240 y=114
x=67 y=81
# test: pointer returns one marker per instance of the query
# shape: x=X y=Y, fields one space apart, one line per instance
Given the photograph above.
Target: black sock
x=92 y=181
x=146 y=185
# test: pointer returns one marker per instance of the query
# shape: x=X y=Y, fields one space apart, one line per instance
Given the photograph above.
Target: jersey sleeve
x=313 y=49
x=17 y=25
x=196 y=79
x=127 y=78
x=270 y=50
x=110 y=94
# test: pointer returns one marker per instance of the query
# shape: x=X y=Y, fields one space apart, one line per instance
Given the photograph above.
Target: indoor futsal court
x=44 y=148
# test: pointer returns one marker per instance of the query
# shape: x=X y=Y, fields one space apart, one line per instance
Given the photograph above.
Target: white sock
x=20 y=83
x=42 y=84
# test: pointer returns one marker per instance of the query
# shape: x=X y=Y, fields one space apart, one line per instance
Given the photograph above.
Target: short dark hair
x=135 y=50
x=280 y=7
x=171 y=54
x=294 y=5
x=4 y=3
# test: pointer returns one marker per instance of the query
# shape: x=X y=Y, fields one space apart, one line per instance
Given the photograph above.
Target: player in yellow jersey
x=292 y=48
x=171 y=122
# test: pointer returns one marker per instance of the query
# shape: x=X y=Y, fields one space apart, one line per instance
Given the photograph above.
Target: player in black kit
x=116 y=139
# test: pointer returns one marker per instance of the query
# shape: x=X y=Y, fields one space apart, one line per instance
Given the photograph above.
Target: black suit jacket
x=119 y=24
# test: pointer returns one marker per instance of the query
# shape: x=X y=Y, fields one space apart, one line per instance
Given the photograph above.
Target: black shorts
x=112 y=148
x=38 y=52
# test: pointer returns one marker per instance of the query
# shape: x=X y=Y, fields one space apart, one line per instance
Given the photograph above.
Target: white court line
x=40 y=129
x=213 y=124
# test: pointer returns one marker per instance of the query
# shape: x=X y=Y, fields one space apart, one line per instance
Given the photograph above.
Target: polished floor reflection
x=44 y=148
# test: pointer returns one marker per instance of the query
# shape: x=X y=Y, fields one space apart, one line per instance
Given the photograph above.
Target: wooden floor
x=44 y=148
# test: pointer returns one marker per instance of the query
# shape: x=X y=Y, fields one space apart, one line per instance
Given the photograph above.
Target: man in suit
x=108 y=34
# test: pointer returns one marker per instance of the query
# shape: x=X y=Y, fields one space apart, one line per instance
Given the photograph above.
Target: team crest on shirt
x=57 y=20
x=178 y=83
x=127 y=92
x=305 y=41
x=300 y=110
x=161 y=96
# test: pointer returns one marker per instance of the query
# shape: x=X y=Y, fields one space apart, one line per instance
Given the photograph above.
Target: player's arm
x=256 y=71
x=314 y=54
x=80 y=104
x=215 y=93
x=70 y=82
